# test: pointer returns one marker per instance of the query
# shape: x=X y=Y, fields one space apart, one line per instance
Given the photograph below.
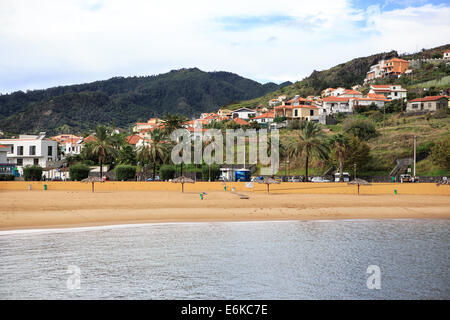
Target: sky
x=46 y=43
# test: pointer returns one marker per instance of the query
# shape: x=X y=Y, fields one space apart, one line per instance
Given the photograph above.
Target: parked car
x=294 y=179
x=346 y=177
x=408 y=178
x=320 y=179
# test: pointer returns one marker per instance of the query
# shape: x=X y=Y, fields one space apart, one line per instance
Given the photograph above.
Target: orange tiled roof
x=240 y=121
x=351 y=91
x=385 y=86
x=429 y=98
x=335 y=99
x=89 y=139
x=375 y=96
x=397 y=60
x=265 y=115
x=134 y=139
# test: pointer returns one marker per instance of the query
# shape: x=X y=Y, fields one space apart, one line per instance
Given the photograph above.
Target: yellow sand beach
x=58 y=208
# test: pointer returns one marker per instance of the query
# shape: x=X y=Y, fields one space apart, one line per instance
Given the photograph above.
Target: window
x=415 y=106
x=296 y=113
x=20 y=150
x=395 y=93
x=32 y=150
x=36 y=161
x=311 y=112
x=20 y=162
x=50 y=151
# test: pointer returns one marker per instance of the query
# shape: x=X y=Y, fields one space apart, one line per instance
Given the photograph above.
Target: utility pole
x=414 y=170
x=354 y=170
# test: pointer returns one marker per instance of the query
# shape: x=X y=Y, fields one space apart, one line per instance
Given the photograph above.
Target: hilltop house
x=30 y=150
x=390 y=91
x=427 y=104
x=446 y=55
x=395 y=66
x=351 y=94
x=332 y=105
x=265 y=117
x=151 y=123
x=273 y=102
x=243 y=113
x=376 y=71
x=301 y=112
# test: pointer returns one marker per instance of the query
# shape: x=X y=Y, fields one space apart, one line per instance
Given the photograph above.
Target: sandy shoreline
x=60 y=209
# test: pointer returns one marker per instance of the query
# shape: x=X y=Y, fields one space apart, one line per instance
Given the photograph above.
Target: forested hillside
x=124 y=101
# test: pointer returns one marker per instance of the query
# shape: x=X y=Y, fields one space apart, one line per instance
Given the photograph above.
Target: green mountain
x=124 y=101
x=354 y=71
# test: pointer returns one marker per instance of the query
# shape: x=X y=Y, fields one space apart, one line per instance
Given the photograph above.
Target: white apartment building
x=30 y=150
x=376 y=71
x=3 y=152
x=390 y=91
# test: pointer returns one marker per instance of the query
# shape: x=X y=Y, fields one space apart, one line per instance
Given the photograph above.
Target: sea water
x=230 y=260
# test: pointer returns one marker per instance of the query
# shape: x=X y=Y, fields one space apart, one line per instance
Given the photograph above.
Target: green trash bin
x=45 y=187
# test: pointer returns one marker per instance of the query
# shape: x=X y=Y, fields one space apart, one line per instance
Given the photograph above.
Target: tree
x=340 y=143
x=154 y=151
x=358 y=152
x=362 y=128
x=173 y=122
x=127 y=155
x=102 y=148
x=311 y=142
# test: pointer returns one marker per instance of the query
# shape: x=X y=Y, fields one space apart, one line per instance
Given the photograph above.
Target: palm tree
x=102 y=147
x=311 y=142
x=340 y=144
x=173 y=122
x=155 y=151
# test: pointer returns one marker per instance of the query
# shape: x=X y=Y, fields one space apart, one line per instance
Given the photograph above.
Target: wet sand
x=56 y=209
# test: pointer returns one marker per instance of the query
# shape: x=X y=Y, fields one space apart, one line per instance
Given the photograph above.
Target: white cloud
x=51 y=42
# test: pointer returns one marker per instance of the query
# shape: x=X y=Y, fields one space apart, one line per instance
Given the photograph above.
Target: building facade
x=30 y=150
x=390 y=91
x=427 y=104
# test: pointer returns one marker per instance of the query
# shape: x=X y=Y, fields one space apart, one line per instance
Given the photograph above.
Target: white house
x=265 y=117
x=376 y=71
x=243 y=113
x=30 y=150
x=446 y=55
x=331 y=105
x=390 y=91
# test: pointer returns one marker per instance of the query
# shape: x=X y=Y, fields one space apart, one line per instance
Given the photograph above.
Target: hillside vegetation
x=124 y=100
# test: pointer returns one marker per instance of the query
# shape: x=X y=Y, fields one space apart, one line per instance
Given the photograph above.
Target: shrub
x=215 y=172
x=6 y=177
x=361 y=128
x=439 y=153
x=78 y=172
x=32 y=173
x=296 y=124
x=279 y=119
x=125 y=172
x=423 y=150
x=166 y=172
